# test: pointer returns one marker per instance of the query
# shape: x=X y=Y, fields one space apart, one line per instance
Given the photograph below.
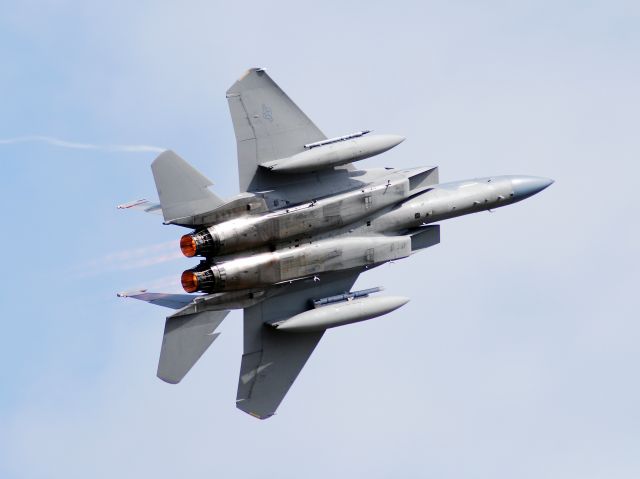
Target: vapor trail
x=80 y=146
x=166 y=284
x=130 y=259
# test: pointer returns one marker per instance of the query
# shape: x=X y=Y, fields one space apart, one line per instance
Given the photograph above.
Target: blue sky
x=518 y=354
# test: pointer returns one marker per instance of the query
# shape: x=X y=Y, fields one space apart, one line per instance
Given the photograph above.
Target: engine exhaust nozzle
x=189 y=280
x=201 y=243
x=188 y=246
x=204 y=279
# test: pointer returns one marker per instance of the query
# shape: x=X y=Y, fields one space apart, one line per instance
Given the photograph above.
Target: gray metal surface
x=182 y=189
x=333 y=154
x=272 y=360
x=167 y=300
x=185 y=340
x=307 y=219
x=340 y=314
x=526 y=186
x=299 y=261
x=268 y=125
x=426 y=237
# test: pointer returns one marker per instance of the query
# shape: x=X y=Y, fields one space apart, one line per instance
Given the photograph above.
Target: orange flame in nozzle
x=189 y=281
x=188 y=246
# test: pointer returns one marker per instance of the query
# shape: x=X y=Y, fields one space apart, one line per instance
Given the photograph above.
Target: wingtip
x=168 y=379
x=131 y=204
x=244 y=405
x=255 y=414
x=129 y=293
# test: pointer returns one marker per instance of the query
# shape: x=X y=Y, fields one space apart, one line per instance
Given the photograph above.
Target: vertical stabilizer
x=268 y=126
x=181 y=188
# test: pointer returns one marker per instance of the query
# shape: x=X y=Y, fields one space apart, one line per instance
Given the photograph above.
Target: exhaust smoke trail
x=131 y=259
x=81 y=146
x=166 y=284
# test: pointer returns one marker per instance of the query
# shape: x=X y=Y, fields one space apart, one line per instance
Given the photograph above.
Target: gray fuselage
x=356 y=229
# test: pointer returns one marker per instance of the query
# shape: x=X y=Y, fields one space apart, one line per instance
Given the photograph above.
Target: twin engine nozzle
x=200 y=279
x=200 y=243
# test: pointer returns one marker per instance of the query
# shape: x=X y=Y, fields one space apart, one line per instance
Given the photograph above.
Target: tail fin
x=268 y=126
x=186 y=338
x=182 y=189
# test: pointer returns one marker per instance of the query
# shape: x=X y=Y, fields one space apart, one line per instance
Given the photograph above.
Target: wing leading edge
x=272 y=360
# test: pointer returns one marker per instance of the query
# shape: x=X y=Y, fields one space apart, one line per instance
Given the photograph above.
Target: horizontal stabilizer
x=168 y=300
x=185 y=340
x=181 y=188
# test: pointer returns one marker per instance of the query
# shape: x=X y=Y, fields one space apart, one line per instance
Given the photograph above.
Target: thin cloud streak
x=127 y=255
x=81 y=146
x=131 y=259
x=143 y=263
x=165 y=284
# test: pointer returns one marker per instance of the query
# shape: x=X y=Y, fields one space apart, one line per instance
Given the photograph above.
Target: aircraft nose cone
x=526 y=186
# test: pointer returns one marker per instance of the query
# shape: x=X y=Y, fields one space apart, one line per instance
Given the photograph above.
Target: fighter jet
x=289 y=247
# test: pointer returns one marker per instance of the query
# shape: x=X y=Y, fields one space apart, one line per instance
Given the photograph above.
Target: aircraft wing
x=272 y=360
x=268 y=126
